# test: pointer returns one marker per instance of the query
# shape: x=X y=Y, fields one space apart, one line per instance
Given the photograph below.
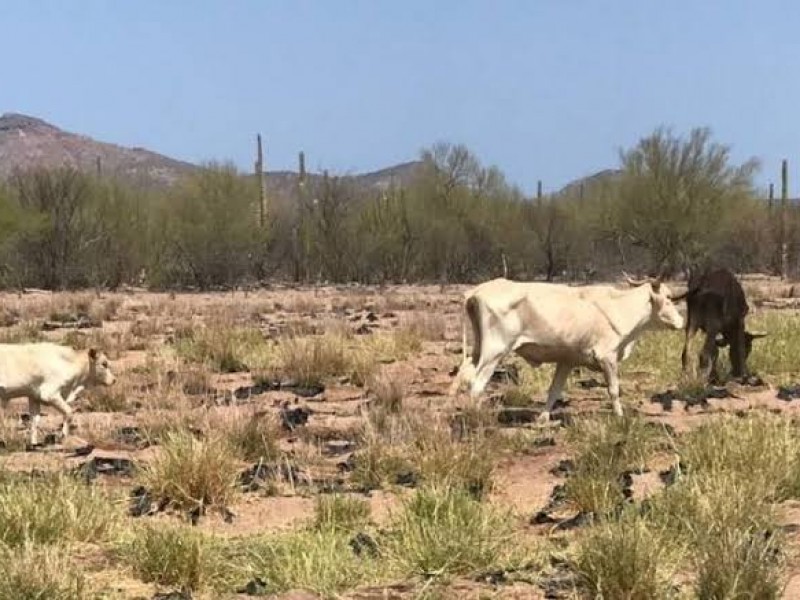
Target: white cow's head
x=99 y=368
x=664 y=311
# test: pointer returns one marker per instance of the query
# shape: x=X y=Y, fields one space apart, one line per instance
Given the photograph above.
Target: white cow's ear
x=93 y=353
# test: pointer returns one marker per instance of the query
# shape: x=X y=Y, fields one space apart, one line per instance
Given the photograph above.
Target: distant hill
x=590 y=181
x=27 y=142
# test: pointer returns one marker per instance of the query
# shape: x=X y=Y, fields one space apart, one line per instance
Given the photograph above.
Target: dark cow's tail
x=474 y=315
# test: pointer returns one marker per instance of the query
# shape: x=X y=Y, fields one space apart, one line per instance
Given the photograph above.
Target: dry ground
x=189 y=412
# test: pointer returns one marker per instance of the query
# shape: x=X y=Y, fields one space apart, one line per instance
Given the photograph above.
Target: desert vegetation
x=455 y=220
x=280 y=420
x=242 y=454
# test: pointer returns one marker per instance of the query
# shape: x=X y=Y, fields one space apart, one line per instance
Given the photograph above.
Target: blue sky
x=543 y=89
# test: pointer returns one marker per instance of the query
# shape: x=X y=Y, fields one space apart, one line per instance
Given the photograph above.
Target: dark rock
x=406 y=478
x=506 y=374
x=544 y=442
x=516 y=416
x=141 y=502
x=101 y=465
x=363 y=543
x=83 y=451
x=51 y=439
x=338 y=447
x=257 y=476
x=371 y=317
x=588 y=384
x=347 y=466
x=563 y=468
x=254 y=587
x=227 y=515
x=176 y=595
x=363 y=330
x=579 y=520
x=294 y=417
x=308 y=391
x=132 y=436
x=541 y=518
x=789 y=392
x=493 y=577
x=245 y=392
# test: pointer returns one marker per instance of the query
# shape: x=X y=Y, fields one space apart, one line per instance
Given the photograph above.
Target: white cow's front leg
x=556 y=390
x=54 y=399
x=609 y=367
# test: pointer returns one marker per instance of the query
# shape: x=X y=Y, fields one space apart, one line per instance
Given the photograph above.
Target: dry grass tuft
x=191 y=473
x=37 y=573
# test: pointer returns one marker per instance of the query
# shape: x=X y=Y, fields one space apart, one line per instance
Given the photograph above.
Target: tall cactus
x=784 y=201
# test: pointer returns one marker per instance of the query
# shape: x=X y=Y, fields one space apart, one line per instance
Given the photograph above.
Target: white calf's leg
x=556 y=390
x=35 y=410
x=73 y=395
x=56 y=401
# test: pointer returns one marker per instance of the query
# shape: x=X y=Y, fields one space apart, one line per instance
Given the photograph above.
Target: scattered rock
x=307 y=391
x=258 y=476
x=589 y=384
x=363 y=329
x=691 y=397
x=516 y=416
x=338 y=447
x=563 y=468
x=294 y=417
x=371 y=317
x=789 y=392
x=176 y=595
x=254 y=587
x=406 y=478
x=347 y=466
x=106 y=465
x=363 y=543
x=131 y=436
x=506 y=374
x=141 y=502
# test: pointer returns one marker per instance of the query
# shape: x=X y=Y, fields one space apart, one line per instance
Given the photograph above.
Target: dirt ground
x=138 y=329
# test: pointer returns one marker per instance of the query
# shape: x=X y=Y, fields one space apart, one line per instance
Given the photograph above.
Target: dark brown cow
x=716 y=305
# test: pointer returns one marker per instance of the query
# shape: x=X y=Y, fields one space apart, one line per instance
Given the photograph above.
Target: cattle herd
x=597 y=326
x=594 y=326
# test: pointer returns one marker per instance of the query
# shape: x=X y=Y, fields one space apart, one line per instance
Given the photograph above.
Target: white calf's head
x=99 y=368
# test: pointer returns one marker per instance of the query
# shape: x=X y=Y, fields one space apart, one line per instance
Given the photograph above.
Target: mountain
x=595 y=180
x=27 y=142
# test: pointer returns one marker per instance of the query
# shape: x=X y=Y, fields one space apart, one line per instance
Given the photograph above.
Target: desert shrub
x=225 y=348
x=189 y=472
x=340 y=513
x=254 y=435
x=312 y=360
x=761 y=448
x=605 y=448
x=319 y=560
x=32 y=572
x=388 y=393
x=445 y=531
x=53 y=509
x=628 y=558
x=178 y=556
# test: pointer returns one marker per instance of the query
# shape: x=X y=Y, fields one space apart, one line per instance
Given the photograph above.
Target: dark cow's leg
x=736 y=351
x=708 y=356
x=690 y=331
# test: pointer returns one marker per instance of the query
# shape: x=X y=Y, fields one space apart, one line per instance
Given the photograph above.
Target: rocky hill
x=27 y=142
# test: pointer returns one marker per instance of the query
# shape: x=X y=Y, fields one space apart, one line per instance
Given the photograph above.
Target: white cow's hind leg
x=465 y=376
x=556 y=390
x=491 y=356
x=609 y=367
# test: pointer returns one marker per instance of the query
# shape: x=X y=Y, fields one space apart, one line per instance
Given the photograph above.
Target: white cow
x=592 y=326
x=49 y=374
